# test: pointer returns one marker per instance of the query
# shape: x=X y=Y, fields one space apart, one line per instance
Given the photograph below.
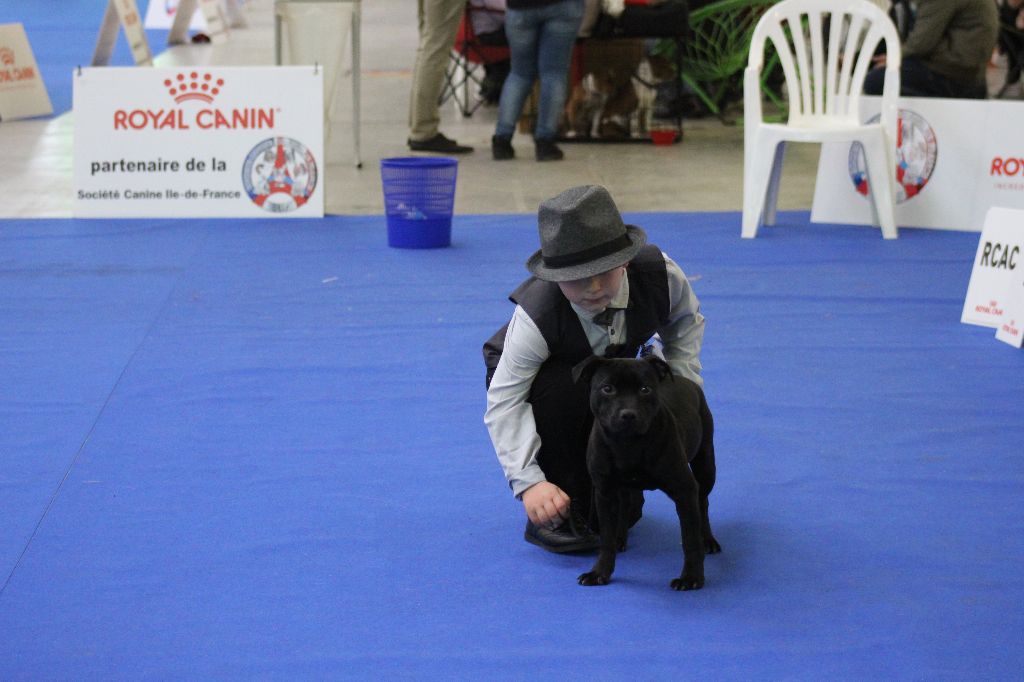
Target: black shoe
x=572 y=536
x=547 y=150
x=501 y=148
x=439 y=143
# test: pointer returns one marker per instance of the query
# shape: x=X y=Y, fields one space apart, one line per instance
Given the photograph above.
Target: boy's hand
x=546 y=504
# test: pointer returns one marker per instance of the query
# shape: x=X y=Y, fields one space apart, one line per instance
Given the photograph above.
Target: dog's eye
x=607 y=389
x=645 y=390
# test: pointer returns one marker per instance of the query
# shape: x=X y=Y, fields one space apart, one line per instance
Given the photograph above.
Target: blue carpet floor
x=255 y=449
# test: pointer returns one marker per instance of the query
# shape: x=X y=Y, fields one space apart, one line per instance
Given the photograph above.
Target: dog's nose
x=627 y=415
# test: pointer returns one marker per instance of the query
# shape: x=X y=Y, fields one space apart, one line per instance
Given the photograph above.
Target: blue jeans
x=540 y=40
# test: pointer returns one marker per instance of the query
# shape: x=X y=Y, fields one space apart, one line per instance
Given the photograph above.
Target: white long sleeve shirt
x=509 y=417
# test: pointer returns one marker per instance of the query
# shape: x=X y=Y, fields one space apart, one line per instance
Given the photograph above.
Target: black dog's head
x=623 y=393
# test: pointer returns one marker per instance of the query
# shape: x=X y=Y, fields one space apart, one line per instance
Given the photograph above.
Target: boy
x=597 y=288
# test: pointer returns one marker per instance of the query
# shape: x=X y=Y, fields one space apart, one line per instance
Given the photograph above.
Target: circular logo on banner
x=279 y=174
x=916 y=151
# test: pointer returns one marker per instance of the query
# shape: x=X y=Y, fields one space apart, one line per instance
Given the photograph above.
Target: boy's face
x=593 y=294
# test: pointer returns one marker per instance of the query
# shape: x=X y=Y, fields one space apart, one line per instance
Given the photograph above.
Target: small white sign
x=199 y=142
x=1011 y=330
x=216 y=27
x=122 y=14
x=1000 y=257
x=22 y=91
x=160 y=14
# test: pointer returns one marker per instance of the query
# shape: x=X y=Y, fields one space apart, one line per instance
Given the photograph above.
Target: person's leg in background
x=521 y=28
x=438 y=25
x=557 y=39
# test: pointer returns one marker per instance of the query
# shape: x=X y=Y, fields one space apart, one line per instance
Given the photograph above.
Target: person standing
x=438 y=25
x=541 y=35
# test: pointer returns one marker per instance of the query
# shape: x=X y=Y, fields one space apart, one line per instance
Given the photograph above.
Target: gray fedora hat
x=582 y=235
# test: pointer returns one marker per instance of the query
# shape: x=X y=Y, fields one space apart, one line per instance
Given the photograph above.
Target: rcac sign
x=995 y=266
x=996 y=255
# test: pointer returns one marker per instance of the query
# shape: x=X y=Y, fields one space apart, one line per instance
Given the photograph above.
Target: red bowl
x=663 y=137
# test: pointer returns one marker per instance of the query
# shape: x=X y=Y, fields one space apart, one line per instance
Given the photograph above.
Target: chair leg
x=771 y=199
x=462 y=94
x=450 y=73
x=465 y=92
x=459 y=78
x=881 y=179
x=758 y=166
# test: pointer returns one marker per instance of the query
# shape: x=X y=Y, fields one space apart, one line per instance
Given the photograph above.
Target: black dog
x=647 y=426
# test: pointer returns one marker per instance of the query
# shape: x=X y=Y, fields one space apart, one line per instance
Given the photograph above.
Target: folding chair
x=470 y=57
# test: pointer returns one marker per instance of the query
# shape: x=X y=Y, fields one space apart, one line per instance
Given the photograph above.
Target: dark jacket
x=954 y=38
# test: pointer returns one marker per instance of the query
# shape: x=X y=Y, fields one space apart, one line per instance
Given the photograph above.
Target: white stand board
x=123 y=14
x=22 y=91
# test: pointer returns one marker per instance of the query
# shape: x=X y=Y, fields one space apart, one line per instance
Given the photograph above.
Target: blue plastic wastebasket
x=419 y=195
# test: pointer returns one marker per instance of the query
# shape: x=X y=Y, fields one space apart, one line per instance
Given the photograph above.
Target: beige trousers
x=438 y=23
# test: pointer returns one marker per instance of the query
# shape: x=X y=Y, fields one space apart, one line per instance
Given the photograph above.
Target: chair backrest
x=825 y=72
x=471 y=45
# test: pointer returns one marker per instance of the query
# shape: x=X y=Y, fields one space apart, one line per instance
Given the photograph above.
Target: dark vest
x=551 y=311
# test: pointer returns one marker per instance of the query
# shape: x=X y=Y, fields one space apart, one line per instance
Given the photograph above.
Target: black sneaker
x=501 y=148
x=572 y=536
x=547 y=150
x=439 y=143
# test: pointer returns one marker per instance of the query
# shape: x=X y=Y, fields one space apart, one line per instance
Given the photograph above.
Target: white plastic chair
x=824 y=81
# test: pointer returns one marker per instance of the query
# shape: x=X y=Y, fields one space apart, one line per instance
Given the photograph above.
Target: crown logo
x=193 y=86
x=7 y=56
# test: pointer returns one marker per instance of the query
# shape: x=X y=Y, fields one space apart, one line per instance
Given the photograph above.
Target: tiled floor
x=703 y=173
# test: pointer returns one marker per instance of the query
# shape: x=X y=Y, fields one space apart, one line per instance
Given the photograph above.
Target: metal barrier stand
x=278 y=58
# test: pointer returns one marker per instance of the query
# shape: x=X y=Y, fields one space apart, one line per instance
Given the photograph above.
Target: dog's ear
x=585 y=370
x=660 y=366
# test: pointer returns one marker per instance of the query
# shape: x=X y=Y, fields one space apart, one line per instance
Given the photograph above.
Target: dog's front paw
x=686 y=583
x=593 y=578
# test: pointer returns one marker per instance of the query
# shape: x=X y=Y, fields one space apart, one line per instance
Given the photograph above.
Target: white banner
x=955 y=159
x=999 y=257
x=22 y=91
x=199 y=142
